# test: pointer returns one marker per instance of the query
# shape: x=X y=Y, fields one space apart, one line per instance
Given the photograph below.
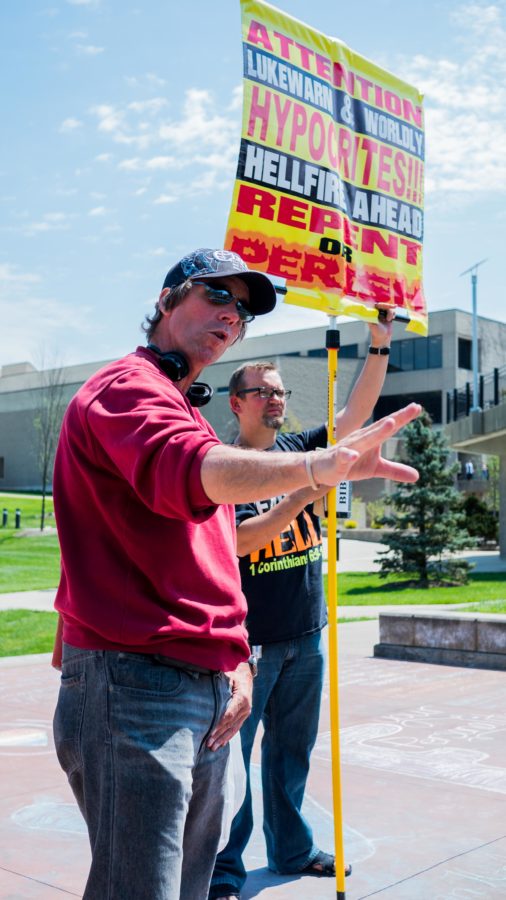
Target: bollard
x=17 y=518
x=5 y=516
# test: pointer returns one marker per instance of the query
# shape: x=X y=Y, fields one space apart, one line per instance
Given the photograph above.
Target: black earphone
x=175 y=366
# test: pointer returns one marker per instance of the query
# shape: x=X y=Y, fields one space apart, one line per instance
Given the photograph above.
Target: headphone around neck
x=175 y=366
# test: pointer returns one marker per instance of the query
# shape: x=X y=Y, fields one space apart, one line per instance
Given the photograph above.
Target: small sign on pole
x=344 y=500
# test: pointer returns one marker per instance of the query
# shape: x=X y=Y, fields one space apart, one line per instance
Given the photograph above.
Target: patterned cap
x=209 y=264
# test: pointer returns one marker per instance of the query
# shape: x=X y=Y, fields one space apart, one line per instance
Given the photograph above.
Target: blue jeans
x=130 y=734
x=286 y=698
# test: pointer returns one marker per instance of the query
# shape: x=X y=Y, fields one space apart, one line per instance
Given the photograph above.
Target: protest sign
x=329 y=189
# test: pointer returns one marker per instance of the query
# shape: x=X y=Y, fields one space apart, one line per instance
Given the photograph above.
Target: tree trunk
x=43 y=505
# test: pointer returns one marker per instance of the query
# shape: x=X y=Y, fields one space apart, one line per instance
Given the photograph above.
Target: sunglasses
x=222 y=297
x=266 y=393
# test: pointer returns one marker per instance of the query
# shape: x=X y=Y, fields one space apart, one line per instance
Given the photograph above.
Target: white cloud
x=152 y=106
x=110 y=119
x=83 y=2
x=30 y=318
x=104 y=157
x=237 y=95
x=165 y=198
x=131 y=165
x=149 y=79
x=136 y=164
x=200 y=125
x=52 y=221
x=89 y=49
x=154 y=79
x=154 y=252
x=98 y=211
x=70 y=125
x=465 y=106
x=114 y=122
x=12 y=281
x=203 y=138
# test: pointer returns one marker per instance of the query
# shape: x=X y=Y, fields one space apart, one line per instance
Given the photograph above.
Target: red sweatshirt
x=148 y=562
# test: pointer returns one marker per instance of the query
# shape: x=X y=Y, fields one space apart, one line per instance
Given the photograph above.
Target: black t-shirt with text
x=283 y=581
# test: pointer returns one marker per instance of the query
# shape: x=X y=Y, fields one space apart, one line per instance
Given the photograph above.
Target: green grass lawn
x=488 y=606
x=366 y=589
x=33 y=563
x=24 y=631
x=27 y=563
x=30 y=506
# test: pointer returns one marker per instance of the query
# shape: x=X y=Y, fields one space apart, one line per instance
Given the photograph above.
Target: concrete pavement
x=423 y=771
x=423 y=764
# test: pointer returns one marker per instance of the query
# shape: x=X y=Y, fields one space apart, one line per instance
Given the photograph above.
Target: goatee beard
x=273 y=421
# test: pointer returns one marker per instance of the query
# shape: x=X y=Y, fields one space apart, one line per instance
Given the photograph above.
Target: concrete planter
x=454 y=639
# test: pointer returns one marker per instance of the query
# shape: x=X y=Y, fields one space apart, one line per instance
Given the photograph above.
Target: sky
x=121 y=127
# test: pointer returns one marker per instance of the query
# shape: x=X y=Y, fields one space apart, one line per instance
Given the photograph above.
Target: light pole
x=474 y=285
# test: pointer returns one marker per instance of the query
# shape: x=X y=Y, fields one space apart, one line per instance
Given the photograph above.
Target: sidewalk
x=423 y=764
x=423 y=773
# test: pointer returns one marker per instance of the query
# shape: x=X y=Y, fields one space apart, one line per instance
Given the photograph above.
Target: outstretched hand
x=358 y=455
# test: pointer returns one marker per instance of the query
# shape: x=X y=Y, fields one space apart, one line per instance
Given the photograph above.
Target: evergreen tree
x=426 y=518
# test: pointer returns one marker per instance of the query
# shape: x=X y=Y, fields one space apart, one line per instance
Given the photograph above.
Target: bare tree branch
x=49 y=408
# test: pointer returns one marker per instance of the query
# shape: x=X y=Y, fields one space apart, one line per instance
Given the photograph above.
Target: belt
x=181 y=664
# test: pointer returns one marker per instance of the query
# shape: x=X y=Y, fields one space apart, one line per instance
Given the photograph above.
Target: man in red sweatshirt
x=155 y=671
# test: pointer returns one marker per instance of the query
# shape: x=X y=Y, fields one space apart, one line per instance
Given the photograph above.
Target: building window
x=431 y=401
x=2 y=463
x=434 y=351
x=465 y=353
x=349 y=351
x=417 y=353
x=421 y=352
x=407 y=356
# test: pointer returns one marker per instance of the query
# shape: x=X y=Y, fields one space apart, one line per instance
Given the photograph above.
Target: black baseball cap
x=209 y=264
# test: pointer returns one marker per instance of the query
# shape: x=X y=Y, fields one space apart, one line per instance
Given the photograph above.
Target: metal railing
x=491 y=392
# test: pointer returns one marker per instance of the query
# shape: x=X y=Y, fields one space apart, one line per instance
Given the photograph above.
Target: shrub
x=481 y=522
x=375 y=511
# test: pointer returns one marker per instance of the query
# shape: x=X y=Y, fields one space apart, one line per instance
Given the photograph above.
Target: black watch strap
x=379 y=351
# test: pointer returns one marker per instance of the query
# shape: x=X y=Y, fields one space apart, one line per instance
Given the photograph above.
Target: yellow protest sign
x=329 y=188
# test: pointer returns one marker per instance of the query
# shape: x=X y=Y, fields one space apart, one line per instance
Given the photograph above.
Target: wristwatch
x=253 y=665
x=379 y=351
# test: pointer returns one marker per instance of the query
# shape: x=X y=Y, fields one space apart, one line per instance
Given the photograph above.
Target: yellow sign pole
x=332 y=343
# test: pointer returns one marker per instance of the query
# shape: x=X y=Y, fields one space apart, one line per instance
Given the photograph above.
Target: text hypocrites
x=329 y=188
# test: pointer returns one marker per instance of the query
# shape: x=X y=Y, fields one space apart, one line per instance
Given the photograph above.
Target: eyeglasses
x=222 y=297
x=266 y=393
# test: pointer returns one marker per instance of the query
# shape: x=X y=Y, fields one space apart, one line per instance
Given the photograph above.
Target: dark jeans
x=130 y=734
x=286 y=698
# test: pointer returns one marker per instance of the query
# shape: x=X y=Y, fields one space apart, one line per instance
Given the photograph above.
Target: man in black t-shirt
x=280 y=556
